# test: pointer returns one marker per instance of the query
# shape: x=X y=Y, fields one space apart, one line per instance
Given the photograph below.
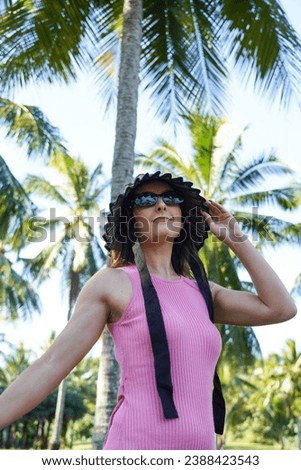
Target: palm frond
x=42 y=187
x=166 y=155
x=264 y=45
x=231 y=160
x=166 y=159
x=242 y=339
x=179 y=66
x=287 y=198
x=296 y=290
x=61 y=162
x=255 y=172
x=29 y=127
x=17 y=296
x=15 y=204
x=210 y=67
x=225 y=273
x=49 y=35
x=203 y=130
x=267 y=229
x=96 y=172
x=70 y=238
x=78 y=178
x=106 y=67
x=108 y=28
x=41 y=266
x=4 y=4
x=97 y=189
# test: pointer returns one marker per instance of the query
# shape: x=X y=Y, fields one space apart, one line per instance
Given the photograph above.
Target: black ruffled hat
x=120 y=238
x=119 y=231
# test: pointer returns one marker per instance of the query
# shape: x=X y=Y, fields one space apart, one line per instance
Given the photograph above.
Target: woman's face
x=160 y=222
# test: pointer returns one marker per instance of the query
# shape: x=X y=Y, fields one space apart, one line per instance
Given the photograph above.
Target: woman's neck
x=158 y=261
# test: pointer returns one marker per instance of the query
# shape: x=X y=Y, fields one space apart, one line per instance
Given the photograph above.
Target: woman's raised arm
x=272 y=302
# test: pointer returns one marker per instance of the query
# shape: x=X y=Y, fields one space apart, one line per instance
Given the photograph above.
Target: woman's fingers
x=215 y=209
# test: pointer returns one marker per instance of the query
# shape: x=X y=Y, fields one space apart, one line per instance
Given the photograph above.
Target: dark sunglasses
x=150 y=199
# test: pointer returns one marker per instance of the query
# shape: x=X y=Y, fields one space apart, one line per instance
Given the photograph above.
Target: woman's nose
x=160 y=204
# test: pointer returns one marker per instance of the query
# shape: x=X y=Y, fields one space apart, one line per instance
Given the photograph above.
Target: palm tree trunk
x=298 y=422
x=126 y=122
x=122 y=172
x=59 y=415
x=107 y=384
x=60 y=401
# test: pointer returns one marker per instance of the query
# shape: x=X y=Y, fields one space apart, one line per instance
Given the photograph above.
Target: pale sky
x=77 y=111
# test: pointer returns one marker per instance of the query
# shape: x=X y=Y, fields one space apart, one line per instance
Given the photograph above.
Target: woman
x=160 y=318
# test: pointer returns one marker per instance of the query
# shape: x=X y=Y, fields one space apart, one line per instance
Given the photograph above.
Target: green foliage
x=50 y=34
x=262 y=40
x=15 y=209
x=188 y=48
x=267 y=404
x=75 y=249
x=29 y=127
x=263 y=404
x=17 y=296
x=33 y=430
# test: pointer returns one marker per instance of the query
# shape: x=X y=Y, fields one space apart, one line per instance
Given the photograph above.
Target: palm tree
x=17 y=297
x=76 y=251
x=185 y=47
x=241 y=187
x=28 y=127
x=184 y=51
x=181 y=51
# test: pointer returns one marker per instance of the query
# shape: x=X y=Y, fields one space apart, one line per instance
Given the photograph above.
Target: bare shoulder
x=112 y=287
x=108 y=281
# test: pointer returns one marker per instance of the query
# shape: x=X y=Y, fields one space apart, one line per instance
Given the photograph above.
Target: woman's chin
x=159 y=237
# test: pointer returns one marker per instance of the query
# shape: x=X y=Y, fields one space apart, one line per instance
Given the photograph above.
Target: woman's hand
x=222 y=224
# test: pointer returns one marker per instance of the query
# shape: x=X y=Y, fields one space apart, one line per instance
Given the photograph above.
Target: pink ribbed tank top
x=137 y=421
